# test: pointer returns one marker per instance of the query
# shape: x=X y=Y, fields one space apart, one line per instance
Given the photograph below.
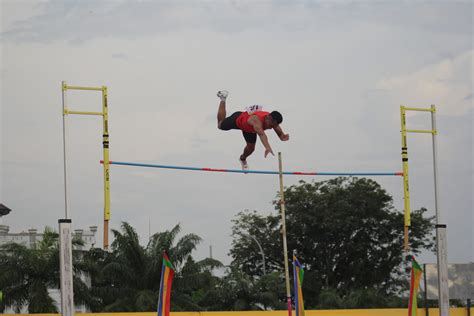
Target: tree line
x=345 y=231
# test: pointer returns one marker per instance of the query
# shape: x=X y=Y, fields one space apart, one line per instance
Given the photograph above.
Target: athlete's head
x=273 y=119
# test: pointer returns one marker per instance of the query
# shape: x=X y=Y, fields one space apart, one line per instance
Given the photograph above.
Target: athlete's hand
x=285 y=137
x=268 y=151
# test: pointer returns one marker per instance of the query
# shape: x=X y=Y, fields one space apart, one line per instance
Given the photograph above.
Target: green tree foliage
x=194 y=285
x=128 y=278
x=347 y=234
x=245 y=252
x=359 y=298
x=26 y=274
x=238 y=291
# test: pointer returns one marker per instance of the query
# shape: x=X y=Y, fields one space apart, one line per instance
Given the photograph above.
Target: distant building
x=32 y=236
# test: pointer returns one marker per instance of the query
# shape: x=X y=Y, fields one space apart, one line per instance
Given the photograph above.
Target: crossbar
x=418 y=109
x=420 y=131
x=66 y=87
x=83 y=112
x=134 y=164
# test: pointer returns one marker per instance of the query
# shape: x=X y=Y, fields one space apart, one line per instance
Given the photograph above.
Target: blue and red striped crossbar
x=367 y=174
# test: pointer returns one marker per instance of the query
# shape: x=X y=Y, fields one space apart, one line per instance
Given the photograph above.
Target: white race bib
x=253 y=108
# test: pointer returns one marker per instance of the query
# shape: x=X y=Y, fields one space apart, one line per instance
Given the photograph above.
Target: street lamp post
x=261 y=250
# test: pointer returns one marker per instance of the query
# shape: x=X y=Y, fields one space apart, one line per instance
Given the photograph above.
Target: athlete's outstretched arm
x=280 y=133
x=258 y=127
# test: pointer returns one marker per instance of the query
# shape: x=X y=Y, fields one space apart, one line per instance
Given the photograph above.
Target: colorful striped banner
x=416 y=272
x=164 y=298
x=366 y=174
x=298 y=274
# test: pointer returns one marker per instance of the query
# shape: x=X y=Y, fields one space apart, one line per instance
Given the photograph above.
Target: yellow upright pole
x=441 y=254
x=406 y=188
x=105 y=145
x=283 y=231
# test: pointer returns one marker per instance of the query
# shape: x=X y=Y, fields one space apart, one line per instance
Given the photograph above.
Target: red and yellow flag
x=164 y=298
x=416 y=272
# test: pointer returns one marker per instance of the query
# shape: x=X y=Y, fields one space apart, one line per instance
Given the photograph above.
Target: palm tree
x=27 y=274
x=179 y=251
x=129 y=277
x=195 y=286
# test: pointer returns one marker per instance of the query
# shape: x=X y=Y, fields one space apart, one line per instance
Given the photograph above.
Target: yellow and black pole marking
x=105 y=145
x=406 y=187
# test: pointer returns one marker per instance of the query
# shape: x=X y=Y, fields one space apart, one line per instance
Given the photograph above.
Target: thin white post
x=442 y=265
x=283 y=228
x=441 y=244
x=64 y=147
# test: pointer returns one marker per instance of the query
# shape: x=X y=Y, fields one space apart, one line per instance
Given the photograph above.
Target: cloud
x=119 y=56
x=79 y=21
x=337 y=71
x=447 y=83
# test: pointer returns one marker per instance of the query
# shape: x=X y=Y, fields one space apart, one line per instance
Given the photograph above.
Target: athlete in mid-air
x=252 y=122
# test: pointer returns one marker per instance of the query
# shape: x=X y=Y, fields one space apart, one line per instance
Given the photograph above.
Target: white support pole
x=441 y=244
x=65 y=266
x=443 y=285
x=283 y=231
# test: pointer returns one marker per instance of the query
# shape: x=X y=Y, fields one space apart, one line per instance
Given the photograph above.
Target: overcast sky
x=337 y=70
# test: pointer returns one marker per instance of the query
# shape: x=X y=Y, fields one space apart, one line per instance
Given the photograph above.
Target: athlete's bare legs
x=248 y=150
x=221 y=113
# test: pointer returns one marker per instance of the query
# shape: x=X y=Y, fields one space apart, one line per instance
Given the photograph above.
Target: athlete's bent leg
x=248 y=150
x=221 y=113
